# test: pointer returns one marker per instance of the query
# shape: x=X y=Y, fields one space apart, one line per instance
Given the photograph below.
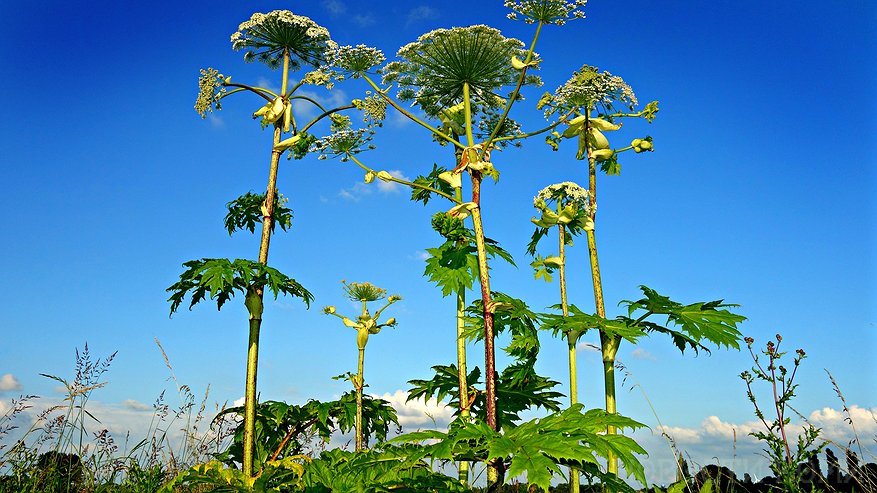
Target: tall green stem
x=359 y=384
x=494 y=469
x=571 y=341
x=463 y=470
x=608 y=344
x=256 y=322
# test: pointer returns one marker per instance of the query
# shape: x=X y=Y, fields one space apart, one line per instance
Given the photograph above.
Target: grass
x=65 y=449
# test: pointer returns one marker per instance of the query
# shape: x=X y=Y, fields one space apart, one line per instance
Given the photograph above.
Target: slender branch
x=410 y=115
x=536 y=132
x=258 y=90
x=405 y=182
x=324 y=115
x=310 y=100
x=291 y=433
x=508 y=107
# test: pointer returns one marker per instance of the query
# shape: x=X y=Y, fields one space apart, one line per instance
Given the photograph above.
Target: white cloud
x=421 y=255
x=419 y=412
x=421 y=13
x=238 y=402
x=134 y=405
x=640 y=353
x=334 y=7
x=8 y=382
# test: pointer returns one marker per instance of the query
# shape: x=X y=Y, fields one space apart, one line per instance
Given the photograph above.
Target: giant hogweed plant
x=456 y=76
x=365 y=325
x=279 y=39
x=593 y=99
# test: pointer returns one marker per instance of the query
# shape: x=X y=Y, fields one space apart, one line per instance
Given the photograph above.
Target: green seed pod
x=601 y=124
x=597 y=140
x=602 y=154
x=287 y=143
x=361 y=338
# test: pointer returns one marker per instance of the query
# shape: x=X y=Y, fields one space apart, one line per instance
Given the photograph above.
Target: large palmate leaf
x=510 y=315
x=245 y=212
x=284 y=428
x=537 y=448
x=579 y=322
x=454 y=265
x=394 y=469
x=518 y=388
x=430 y=180
x=709 y=321
x=219 y=278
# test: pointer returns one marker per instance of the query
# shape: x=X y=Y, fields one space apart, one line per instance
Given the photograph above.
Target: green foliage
x=219 y=278
x=430 y=180
x=246 y=211
x=214 y=477
x=375 y=471
x=510 y=315
x=518 y=388
x=537 y=448
x=700 y=321
x=783 y=461
x=285 y=429
x=579 y=322
x=453 y=266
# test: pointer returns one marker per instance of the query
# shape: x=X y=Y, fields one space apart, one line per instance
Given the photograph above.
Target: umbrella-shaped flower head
x=433 y=70
x=364 y=291
x=265 y=37
x=546 y=11
x=588 y=87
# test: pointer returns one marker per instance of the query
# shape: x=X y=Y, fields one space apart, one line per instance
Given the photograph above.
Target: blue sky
x=759 y=192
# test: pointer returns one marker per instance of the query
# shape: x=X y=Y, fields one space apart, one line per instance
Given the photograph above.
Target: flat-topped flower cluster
x=546 y=11
x=267 y=36
x=588 y=87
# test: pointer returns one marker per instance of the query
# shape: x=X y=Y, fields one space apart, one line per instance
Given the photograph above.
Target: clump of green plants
x=365 y=325
x=784 y=462
x=66 y=448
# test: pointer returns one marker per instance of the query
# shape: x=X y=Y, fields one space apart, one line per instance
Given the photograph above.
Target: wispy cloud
x=640 y=353
x=334 y=7
x=361 y=189
x=364 y=20
x=8 y=382
x=135 y=405
x=305 y=110
x=421 y=13
x=216 y=121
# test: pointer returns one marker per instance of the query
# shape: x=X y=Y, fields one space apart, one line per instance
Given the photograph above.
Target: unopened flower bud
x=329 y=310
x=369 y=176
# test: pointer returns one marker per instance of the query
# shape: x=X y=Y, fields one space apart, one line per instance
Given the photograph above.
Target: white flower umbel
x=354 y=60
x=266 y=36
x=564 y=193
x=210 y=91
x=588 y=87
x=343 y=143
x=546 y=11
x=433 y=70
